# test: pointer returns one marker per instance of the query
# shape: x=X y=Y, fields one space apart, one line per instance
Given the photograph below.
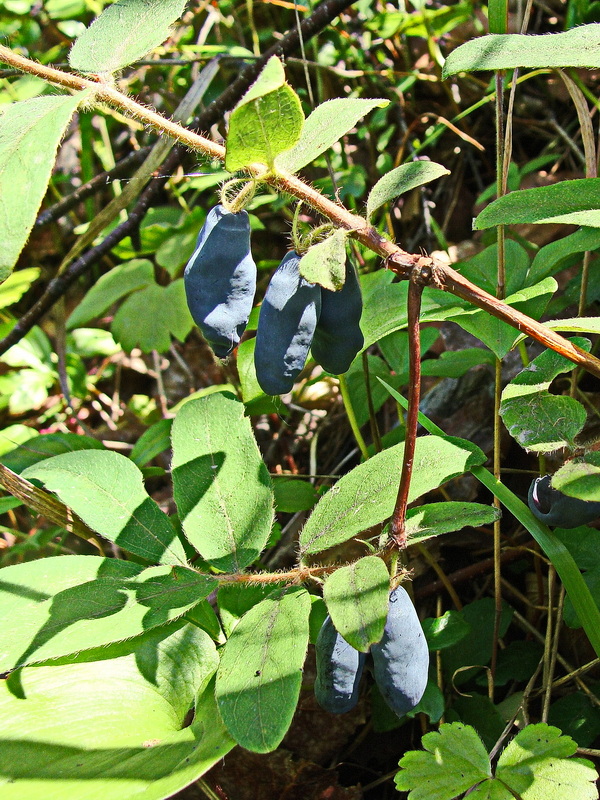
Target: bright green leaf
x=536 y=764
x=580 y=478
x=445 y=631
x=578 y=47
x=106 y=491
x=433 y=519
x=366 y=495
x=110 y=287
x=124 y=33
x=267 y=121
x=46 y=446
x=294 y=495
x=15 y=286
x=149 y=317
x=401 y=180
x=568 y=202
x=259 y=678
x=322 y=129
x=221 y=485
x=152 y=442
x=30 y=132
x=357 y=598
x=537 y=420
x=454 y=760
x=57 y=606
x=548 y=259
x=325 y=262
x=113 y=728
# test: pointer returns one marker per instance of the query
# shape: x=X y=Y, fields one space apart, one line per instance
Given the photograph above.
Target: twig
x=418 y=279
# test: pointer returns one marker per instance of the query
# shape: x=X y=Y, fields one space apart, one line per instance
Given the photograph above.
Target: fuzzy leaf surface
x=357 y=598
x=324 y=126
x=325 y=262
x=124 y=33
x=66 y=604
x=221 y=485
x=114 y=727
x=259 y=677
x=106 y=490
x=267 y=121
x=30 y=132
x=578 y=47
x=366 y=495
x=537 y=420
x=402 y=179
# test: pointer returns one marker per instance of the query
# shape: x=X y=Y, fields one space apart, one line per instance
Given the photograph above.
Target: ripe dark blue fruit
x=339 y=669
x=338 y=338
x=286 y=325
x=401 y=658
x=220 y=279
x=558 y=509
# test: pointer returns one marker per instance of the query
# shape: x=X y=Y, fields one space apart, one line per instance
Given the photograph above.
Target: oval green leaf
x=123 y=33
x=106 y=490
x=325 y=262
x=366 y=495
x=401 y=180
x=259 y=678
x=115 y=727
x=54 y=607
x=579 y=47
x=220 y=483
x=357 y=598
x=574 y=202
x=30 y=132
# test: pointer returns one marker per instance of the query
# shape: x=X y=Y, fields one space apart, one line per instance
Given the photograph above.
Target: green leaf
x=537 y=420
x=152 y=442
x=433 y=519
x=580 y=478
x=110 y=287
x=113 y=728
x=367 y=494
x=549 y=259
x=15 y=286
x=57 y=606
x=499 y=336
x=220 y=483
x=294 y=495
x=46 y=446
x=267 y=121
x=536 y=764
x=124 y=33
x=357 y=598
x=568 y=202
x=106 y=491
x=402 y=179
x=30 y=132
x=235 y=599
x=454 y=363
x=575 y=48
x=454 y=760
x=322 y=129
x=255 y=400
x=325 y=262
x=259 y=677
x=149 y=317
x=445 y=631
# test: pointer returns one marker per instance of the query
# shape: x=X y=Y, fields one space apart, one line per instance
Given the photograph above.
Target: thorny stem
x=397 y=259
x=418 y=279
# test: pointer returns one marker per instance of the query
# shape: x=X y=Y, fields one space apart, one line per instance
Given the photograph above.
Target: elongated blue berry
x=339 y=669
x=220 y=279
x=557 y=509
x=401 y=658
x=338 y=338
x=286 y=325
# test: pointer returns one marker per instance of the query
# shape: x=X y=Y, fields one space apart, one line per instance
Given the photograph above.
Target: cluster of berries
x=296 y=316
